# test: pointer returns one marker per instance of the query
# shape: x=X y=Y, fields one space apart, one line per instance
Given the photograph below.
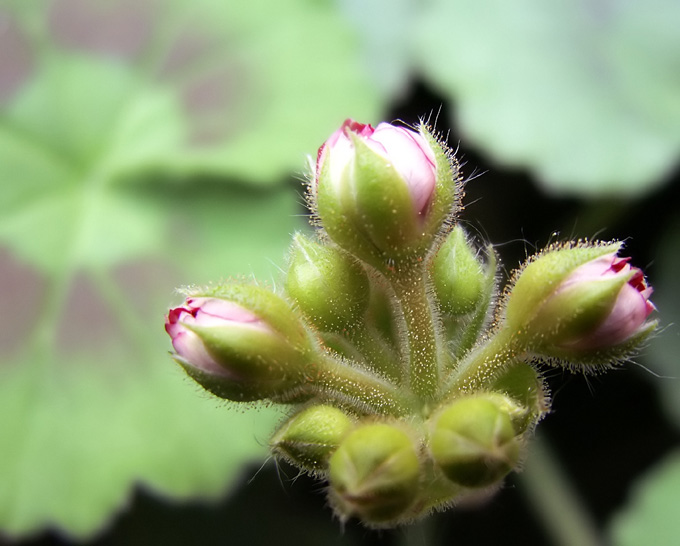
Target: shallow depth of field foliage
x=147 y=144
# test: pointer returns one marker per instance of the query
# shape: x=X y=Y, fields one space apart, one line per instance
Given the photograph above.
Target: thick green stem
x=423 y=366
x=356 y=388
x=484 y=363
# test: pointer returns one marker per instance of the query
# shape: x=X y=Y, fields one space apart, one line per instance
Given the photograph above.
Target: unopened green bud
x=374 y=474
x=329 y=286
x=309 y=437
x=474 y=442
x=240 y=342
x=458 y=276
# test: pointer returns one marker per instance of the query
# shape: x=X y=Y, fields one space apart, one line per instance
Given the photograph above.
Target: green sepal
x=573 y=312
x=259 y=363
x=383 y=202
x=540 y=278
x=342 y=222
x=374 y=474
x=596 y=360
x=311 y=436
x=227 y=388
x=474 y=442
x=268 y=306
x=329 y=286
x=448 y=191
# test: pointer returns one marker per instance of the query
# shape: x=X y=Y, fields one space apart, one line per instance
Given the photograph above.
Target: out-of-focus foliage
x=586 y=94
x=126 y=127
x=652 y=515
x=196 y=86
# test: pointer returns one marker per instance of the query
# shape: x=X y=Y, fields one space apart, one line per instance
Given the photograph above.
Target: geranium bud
x=310 y=437
x=474 y=442
x=328 y=285
x=236 y=350
x=380 y=192
x=589 y=300
x=458 y=276
x=374 y=474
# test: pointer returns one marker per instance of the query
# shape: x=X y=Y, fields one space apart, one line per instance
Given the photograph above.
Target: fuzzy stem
x=377 y=354
x=344 y=347
x=408 y=282
x=483 y=363
x=356 y=388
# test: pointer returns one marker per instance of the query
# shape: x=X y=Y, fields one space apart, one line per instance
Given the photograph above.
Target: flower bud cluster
x=409 y=383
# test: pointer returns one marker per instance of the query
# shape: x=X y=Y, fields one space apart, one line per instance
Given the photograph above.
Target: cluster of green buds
x=409 y=381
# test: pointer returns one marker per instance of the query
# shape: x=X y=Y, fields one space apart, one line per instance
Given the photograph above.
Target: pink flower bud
x=581 y=303
x=405 y=150
x=240 y=342
x=630 y=308
x=384 y=194
x=206 y=312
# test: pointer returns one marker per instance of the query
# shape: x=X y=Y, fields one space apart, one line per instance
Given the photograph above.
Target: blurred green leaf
x=215 y=83
x=75 y=440
x=386 y=40
x=91 y=402
x=145 y=145
x=651 y=516
x=585 y=94
x=61 y=147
